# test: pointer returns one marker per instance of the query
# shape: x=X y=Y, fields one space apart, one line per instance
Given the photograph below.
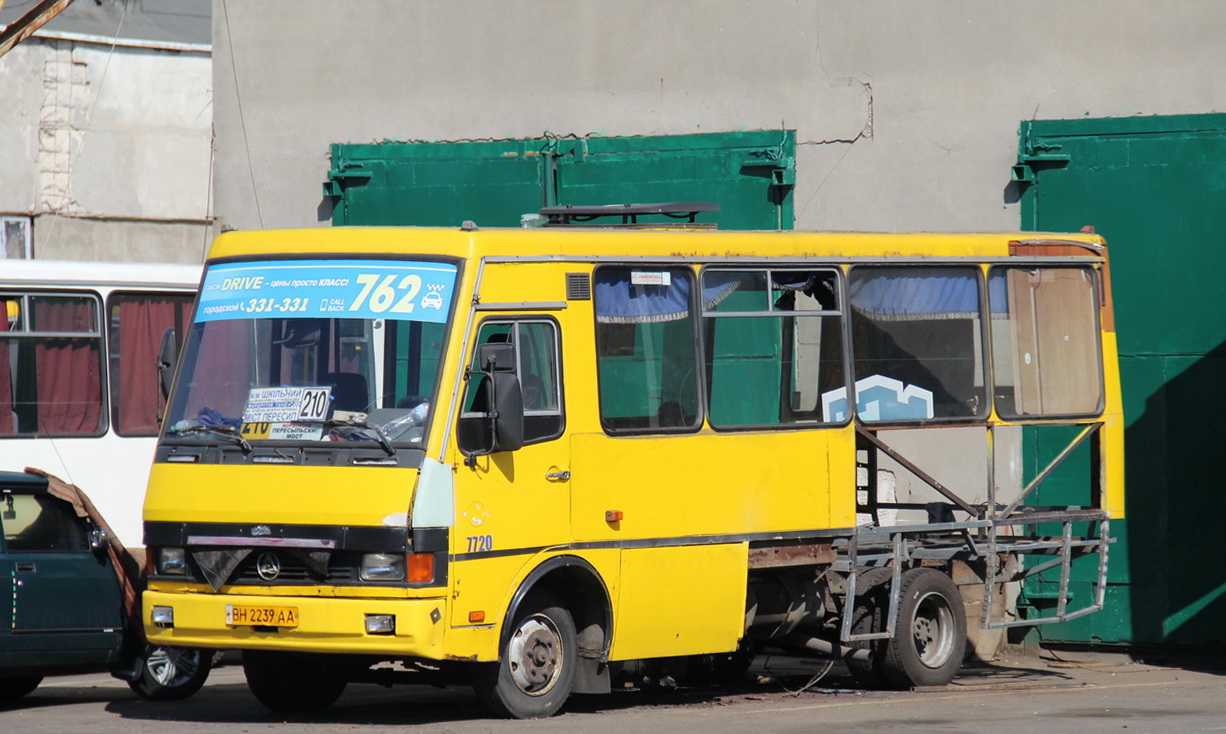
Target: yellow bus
x=541 y=460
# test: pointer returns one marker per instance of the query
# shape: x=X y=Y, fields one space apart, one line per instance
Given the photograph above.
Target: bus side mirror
x=508 y=415
x=501 y=400
x=168 y=354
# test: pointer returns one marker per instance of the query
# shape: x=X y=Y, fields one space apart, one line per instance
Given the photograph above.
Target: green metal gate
x=749 y=174
x=1154 y=186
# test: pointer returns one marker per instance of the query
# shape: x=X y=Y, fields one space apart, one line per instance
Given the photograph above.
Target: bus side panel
x=680 y=601
x=1113 y=468
x=489 y=585
x=712 y=484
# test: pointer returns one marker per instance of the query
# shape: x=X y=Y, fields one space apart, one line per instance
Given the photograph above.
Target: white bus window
x=50 y=366
x=137 y=322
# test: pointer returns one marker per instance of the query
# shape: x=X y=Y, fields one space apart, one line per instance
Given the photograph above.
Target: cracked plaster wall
x=108 y=151
x=906 y=113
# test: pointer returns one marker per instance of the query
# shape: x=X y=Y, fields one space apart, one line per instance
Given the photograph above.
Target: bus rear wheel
x=290 y=684
x=930 y=636
x=537 y=670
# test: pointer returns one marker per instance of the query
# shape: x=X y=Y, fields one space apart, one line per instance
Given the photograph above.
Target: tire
x=15 y=687
x=172 y=673
x=292 y=684
x=725 y=668
x=871 y=606
x=930 y=637
x=537 y=670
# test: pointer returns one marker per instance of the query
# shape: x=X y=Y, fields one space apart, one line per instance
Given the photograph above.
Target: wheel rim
x=170 y=667
x=535 y=655
x=932 y=629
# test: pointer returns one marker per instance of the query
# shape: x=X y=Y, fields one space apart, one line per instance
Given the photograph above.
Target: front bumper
x=325 y=625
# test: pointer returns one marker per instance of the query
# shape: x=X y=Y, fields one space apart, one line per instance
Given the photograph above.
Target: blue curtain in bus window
x=619 y=300
x=907 y=297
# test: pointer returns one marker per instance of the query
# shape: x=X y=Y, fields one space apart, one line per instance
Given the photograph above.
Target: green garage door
x=1154 y=186
x=748 y=174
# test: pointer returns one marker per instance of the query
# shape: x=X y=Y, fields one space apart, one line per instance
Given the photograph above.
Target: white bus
x=79 y=395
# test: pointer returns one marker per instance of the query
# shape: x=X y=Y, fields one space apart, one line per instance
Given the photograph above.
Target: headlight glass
x=172 y=562
x=382 y=567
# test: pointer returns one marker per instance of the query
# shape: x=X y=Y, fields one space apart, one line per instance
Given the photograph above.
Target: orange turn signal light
x=420 y=567
x=476 y=617
x=612 y=515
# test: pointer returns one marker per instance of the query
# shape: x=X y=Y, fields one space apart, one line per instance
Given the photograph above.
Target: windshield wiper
x=379 y=435
x=230 y=433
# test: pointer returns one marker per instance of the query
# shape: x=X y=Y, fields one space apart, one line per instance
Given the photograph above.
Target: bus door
x=510 y=502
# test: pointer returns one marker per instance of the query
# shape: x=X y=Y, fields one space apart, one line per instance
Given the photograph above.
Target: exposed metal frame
x=986 y=535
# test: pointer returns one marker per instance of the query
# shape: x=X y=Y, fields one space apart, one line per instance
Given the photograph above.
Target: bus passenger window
x=137 y=322
x=1045 y=341
x=774 y=346
x=645 y=349
x=50 y=365
x=917 y=343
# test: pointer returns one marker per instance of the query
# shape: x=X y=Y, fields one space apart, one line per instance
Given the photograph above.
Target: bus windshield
x=325 y=350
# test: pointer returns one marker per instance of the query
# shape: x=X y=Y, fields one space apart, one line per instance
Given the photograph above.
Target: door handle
x=25 y=567
x=558 y=476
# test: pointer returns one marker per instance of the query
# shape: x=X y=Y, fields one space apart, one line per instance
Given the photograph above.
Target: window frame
x=114 y=329
x=98 y=333
x=986 y=374
x=1096 y=286
x=695 y=318
x=530 y=416
x=841 y=314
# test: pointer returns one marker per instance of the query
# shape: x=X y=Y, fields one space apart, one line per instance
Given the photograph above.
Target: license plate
x=261 y=616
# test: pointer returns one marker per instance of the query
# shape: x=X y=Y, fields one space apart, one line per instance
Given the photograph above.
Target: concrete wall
x=108 y=149
x=906 y=113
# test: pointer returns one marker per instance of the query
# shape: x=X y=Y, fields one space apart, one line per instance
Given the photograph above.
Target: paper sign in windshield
x=287 y=404
x=346 y=289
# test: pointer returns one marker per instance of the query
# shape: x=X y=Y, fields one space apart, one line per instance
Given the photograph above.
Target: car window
x=41 y=523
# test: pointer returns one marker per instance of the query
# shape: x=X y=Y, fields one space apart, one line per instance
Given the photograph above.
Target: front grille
x=294 y=568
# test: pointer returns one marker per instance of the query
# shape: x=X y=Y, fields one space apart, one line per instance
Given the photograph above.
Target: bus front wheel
x=537 y=670
x=288 y=683
x=930 y=637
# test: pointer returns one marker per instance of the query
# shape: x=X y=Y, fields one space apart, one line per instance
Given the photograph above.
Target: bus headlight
x=382 y=567
x=171 y=562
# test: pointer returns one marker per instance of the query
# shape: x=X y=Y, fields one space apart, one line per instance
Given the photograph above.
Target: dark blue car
x=73 y=595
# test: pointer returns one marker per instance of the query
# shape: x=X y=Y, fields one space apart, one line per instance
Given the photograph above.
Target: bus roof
x=62 y=273
x=581 y=244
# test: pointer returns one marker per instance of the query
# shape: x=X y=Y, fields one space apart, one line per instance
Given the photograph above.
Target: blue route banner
x=348 y=289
